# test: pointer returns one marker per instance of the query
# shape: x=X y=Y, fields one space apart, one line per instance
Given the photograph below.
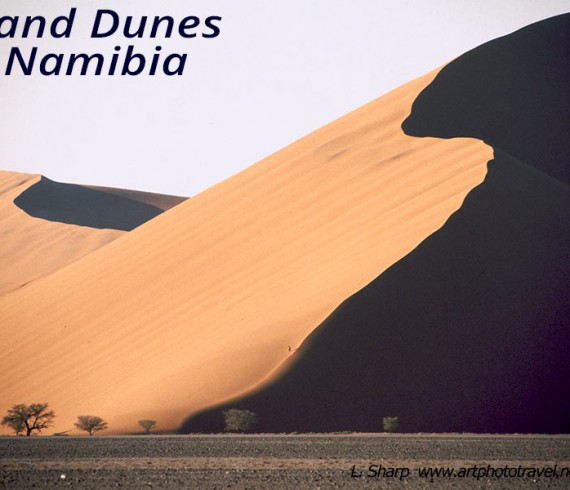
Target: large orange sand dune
x=202 y=302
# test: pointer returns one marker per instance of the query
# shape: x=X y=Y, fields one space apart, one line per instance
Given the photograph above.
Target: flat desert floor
x=287 y=461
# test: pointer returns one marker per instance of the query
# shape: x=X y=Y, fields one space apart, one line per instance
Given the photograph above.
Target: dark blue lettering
x=181 y=62
x=130 y=57
x=67 y=22
x=86 y=60
x=139 y=32
x=215 y=29
x=188 y=23
x=13 y=24
x=41 y=27
x=97 y=24
x=58 y=58
x=15 y=54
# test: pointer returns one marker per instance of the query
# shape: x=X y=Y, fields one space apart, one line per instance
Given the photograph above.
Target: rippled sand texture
x=203 y=302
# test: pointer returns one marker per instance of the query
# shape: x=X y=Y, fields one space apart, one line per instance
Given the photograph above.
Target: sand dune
x=470 y=331
x=201 y=303
x=160 y=201
x=33 y=248
x=86 y=206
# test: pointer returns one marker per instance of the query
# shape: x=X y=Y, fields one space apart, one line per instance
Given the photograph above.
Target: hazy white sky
x=277 y=71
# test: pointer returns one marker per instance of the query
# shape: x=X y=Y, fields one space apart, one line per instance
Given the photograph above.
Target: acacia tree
x=237 y=420
x=28 y=418
x=147 y=425
x=90 y=424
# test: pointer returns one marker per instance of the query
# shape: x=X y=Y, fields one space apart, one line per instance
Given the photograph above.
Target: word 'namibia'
x=107 y=23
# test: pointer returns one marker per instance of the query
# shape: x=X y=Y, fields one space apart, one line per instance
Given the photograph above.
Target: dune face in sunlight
x=470 y=331
x=201 y=303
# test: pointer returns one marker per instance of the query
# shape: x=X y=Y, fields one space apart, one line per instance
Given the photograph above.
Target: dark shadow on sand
x=513 y=93
x=79 y=205
x=471 y=331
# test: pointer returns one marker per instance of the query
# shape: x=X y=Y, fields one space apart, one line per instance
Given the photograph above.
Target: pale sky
x=277 y=71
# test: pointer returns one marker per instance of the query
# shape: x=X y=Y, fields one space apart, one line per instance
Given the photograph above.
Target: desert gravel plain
x=277 y=461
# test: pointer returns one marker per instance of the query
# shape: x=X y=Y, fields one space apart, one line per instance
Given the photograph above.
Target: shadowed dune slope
x=513 y=93
x=470 y=331
x=39 y=222
x=85 y=206
x=201 y=303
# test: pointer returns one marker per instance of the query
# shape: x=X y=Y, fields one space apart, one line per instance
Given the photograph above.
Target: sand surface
x=204 y=301
x=32 y=247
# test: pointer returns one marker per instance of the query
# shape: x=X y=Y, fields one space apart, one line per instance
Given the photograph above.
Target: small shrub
x=391 y=424
x=237 y=420
x=147 y=425
x=90 y=424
